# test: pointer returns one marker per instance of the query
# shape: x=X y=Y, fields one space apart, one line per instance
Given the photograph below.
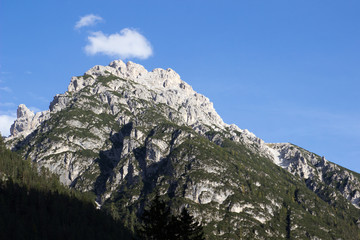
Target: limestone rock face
x=124 y=133
x=316 y=170
x=27 y=121
x=166 y=88
x=24 y=112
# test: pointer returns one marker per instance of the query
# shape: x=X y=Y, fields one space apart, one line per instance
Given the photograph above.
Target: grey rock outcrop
x=317 y=171
x=27 y=121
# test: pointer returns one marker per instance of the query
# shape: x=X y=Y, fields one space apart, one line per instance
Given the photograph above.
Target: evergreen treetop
x=158 y=223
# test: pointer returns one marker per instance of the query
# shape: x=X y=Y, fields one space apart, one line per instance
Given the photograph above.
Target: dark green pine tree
x=190 y=229
x=157 y=222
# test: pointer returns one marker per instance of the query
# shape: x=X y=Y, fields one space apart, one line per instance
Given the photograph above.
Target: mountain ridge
x=120 y=127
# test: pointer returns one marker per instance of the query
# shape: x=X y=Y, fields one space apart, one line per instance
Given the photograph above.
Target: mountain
x=127 y=134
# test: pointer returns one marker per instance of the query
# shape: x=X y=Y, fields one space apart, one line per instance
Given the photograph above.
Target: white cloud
x=127 y=44
x=88 y=20
x=5 y=124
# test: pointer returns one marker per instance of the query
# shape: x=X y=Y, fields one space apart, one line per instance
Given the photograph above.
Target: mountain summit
x=127 y=134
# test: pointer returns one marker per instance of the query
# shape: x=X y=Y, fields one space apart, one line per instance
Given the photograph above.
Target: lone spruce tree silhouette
x=156 y=222
x=159 y=224
x=190 y=229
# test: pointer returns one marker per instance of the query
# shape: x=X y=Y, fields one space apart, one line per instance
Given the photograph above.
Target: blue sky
x=286 y=70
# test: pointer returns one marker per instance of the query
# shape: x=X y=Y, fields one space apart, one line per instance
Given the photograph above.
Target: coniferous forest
x=36 y=206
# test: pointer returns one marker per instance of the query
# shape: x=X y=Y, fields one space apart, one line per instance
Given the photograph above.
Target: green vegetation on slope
x=254 y=180
x=37 y=206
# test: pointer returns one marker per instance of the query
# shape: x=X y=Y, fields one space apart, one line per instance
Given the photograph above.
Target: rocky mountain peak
x=24 y=112
x=27 y=121
x=157 y=78
x=159 y=86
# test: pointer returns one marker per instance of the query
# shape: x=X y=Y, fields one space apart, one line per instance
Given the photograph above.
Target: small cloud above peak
x=129 y=43
x=88 y=20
